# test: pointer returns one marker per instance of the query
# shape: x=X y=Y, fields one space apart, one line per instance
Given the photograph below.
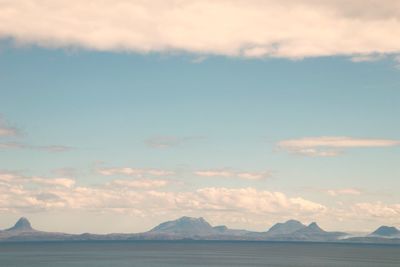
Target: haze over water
x=198 y=253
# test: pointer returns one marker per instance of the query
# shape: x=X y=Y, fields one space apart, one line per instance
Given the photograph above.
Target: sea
x=196 y=253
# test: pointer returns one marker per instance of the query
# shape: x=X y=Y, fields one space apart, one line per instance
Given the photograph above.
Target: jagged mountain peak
x=315 y=227
x=22 y=224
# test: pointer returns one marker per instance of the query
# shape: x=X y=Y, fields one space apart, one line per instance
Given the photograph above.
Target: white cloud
x=253 y=175
x=330 y=146
x=251 y=28
x=140 y=196
x=18 y=179
x=213 y=173
x=341 y=142
x=133 y=172
x=254 y=201
x=343 y=191
x=228 y=173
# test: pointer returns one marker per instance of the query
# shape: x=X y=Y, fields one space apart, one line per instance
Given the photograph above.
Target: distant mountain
x=22 y=225
x=222 y=230
x=23 y=231
x=285 y=228
x=185 y=226
x=312 y=232
x=200 y=229
x=192 y=228
x=386 y=231
x=312 y=229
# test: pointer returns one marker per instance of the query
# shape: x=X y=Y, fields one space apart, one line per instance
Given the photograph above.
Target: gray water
x=199 y=253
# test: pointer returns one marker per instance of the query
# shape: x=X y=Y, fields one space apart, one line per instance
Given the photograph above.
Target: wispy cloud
x=12 y=145
x=397 y=60
x=330 y=146
x=53 y=148
x=66 y=172
x=249 y=28
x=50 y=148
x=165 y=141
x=199 y=59
x=233 y=174
x=16 y=179
x=367 y=58
x=377 y=209
x=6 y=129
x=139 y=184
x=343 y=191
x=127 y=171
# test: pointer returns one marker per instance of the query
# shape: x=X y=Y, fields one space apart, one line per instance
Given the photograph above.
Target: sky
x=118 y=115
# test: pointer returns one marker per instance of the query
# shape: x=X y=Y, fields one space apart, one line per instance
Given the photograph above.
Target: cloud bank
x=248 y=28
x=149 y=198
x=145 y=197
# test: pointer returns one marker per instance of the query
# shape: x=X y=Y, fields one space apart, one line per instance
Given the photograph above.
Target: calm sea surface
x=189 y=253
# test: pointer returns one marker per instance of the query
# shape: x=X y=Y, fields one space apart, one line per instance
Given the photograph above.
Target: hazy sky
x=118 y=115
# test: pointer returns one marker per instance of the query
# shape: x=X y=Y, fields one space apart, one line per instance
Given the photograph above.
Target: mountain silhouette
x=386 y=231
x=285 y=228
x=199 y=229
x=22 y=225
x=185 y=225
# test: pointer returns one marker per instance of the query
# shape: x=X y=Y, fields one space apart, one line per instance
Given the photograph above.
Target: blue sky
x=132 y=137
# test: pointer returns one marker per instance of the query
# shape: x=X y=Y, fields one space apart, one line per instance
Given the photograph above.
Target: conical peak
x=22 y=224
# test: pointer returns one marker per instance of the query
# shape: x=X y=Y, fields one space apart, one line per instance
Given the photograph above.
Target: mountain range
x=199 y=229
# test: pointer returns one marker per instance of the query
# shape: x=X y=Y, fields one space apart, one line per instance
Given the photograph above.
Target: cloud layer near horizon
x=143 y=197
x=249 y=28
